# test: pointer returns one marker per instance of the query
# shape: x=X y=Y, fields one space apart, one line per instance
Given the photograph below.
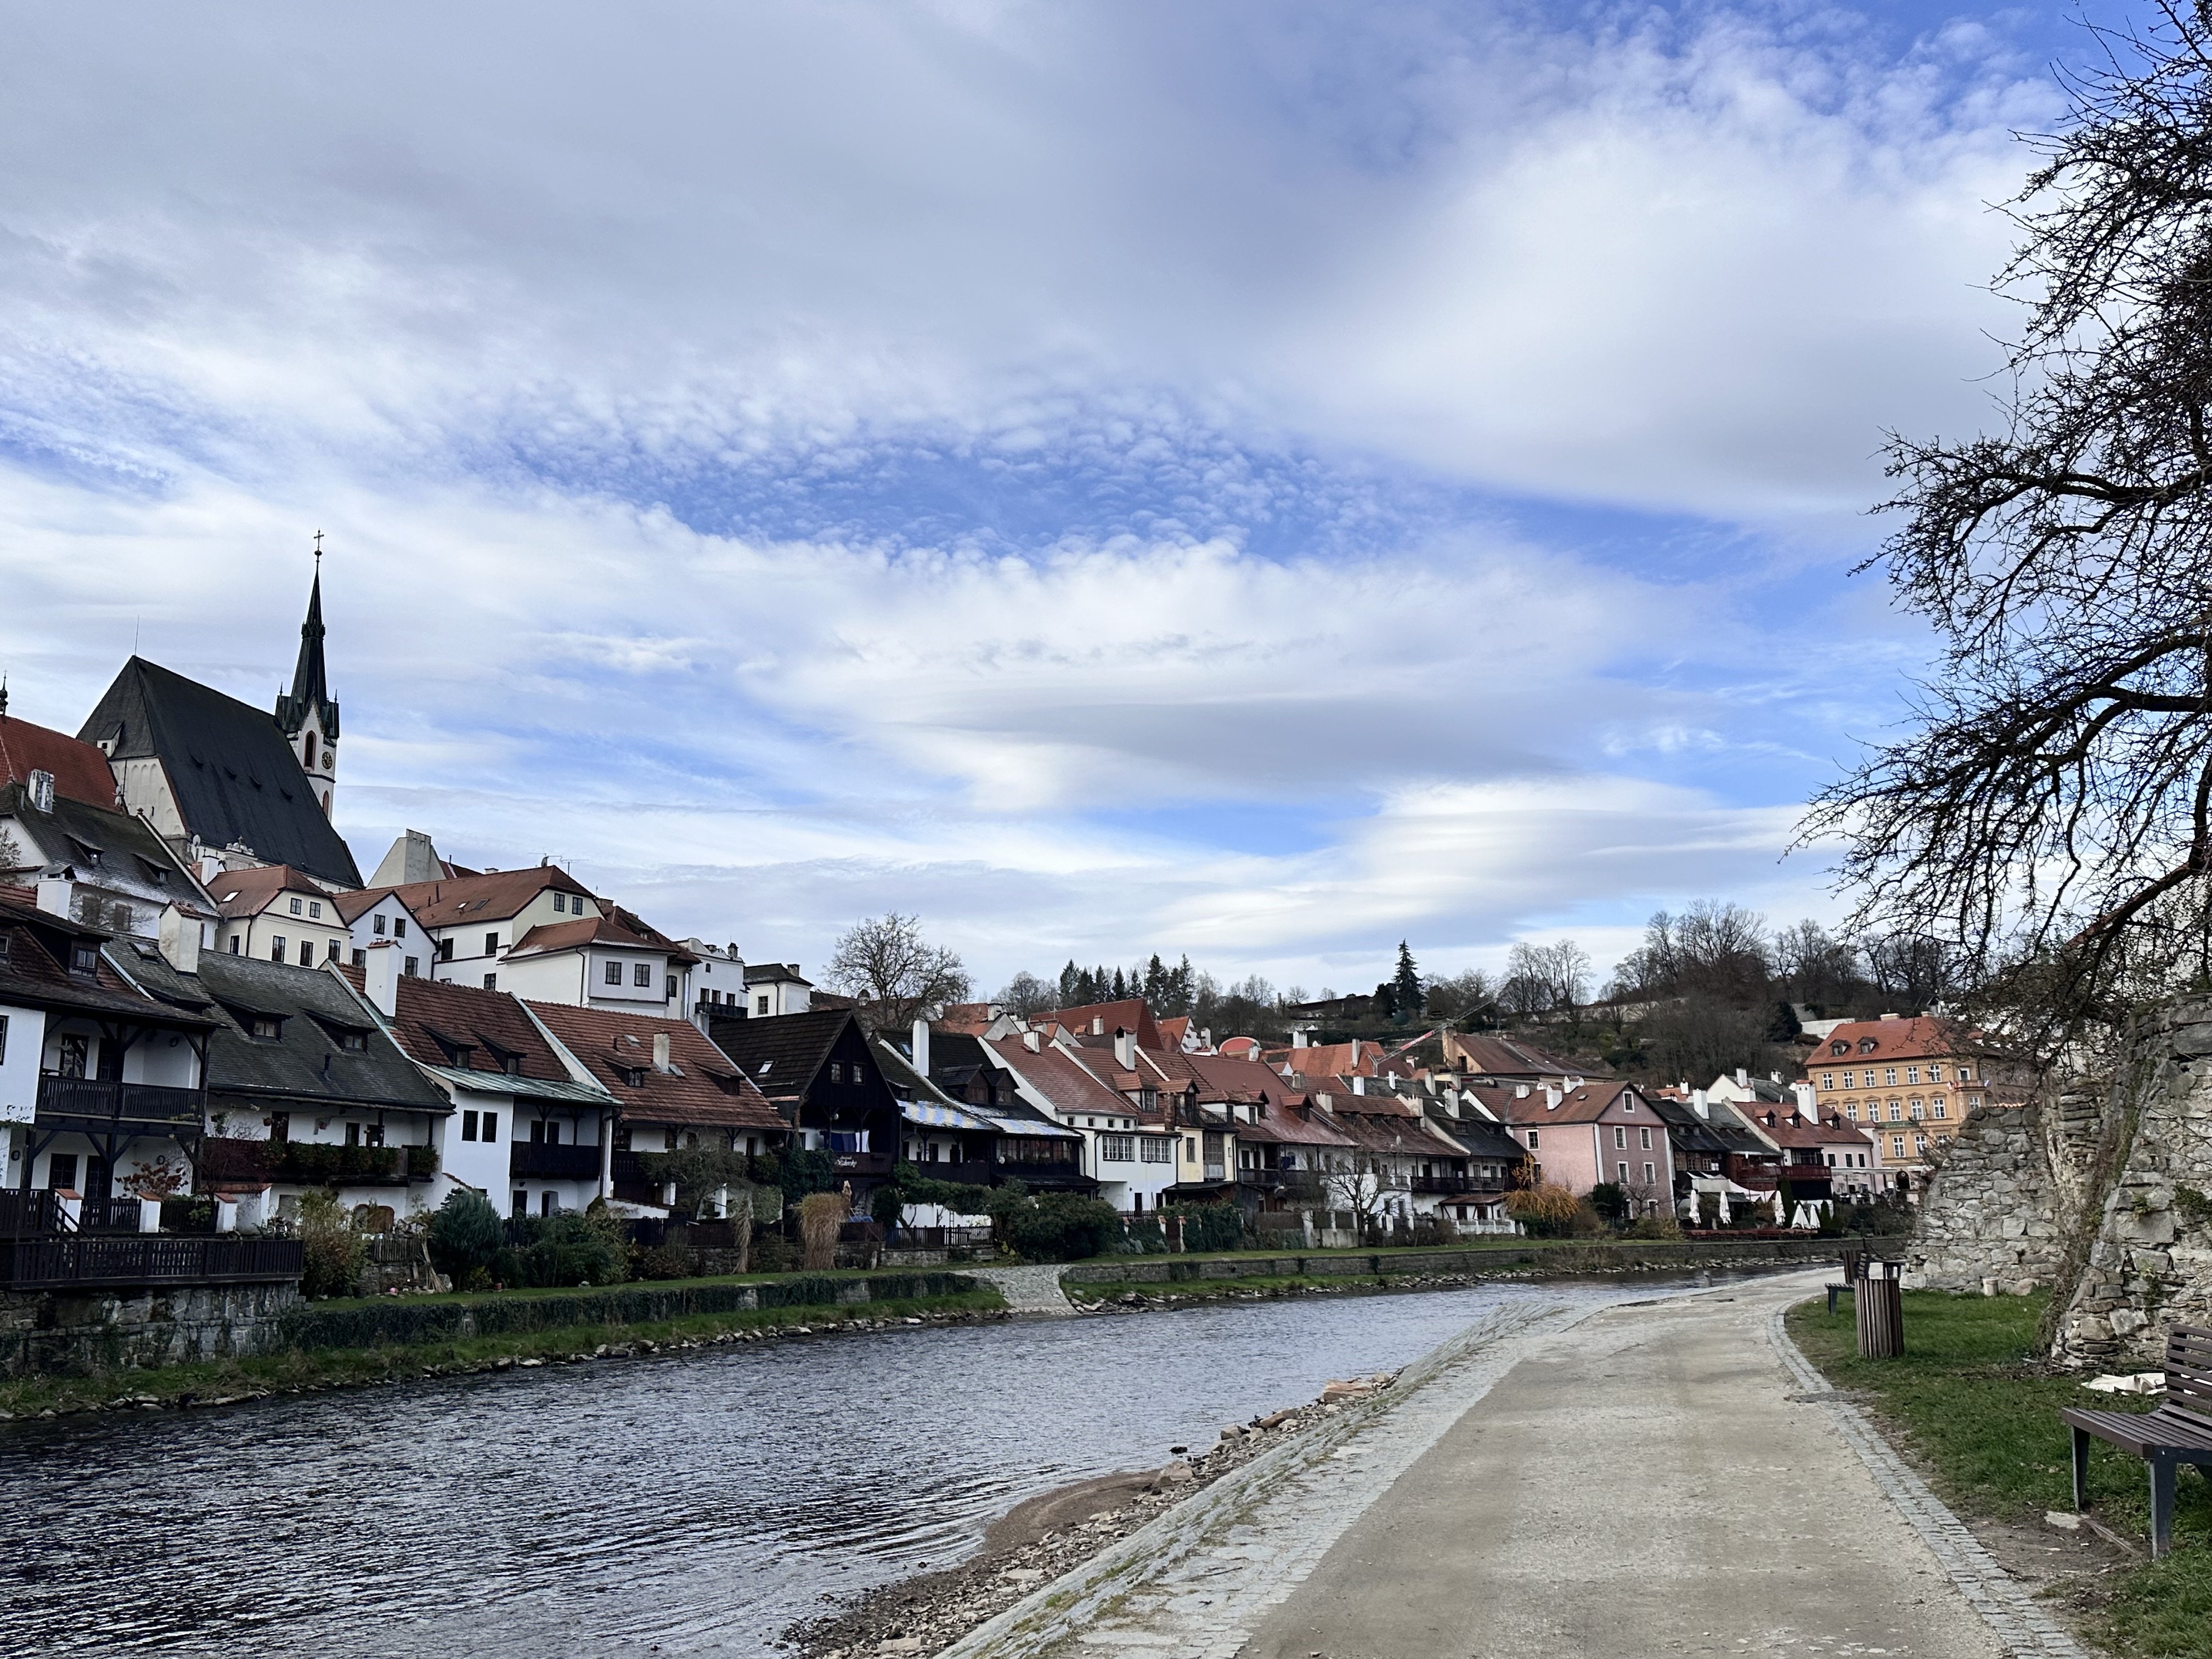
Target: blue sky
x=1255 y=480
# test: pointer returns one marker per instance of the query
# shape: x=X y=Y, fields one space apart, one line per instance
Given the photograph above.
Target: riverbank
x=1974 y=1407
x=1049 y=1536
x=517 y=1344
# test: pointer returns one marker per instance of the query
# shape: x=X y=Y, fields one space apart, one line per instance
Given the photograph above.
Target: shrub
x=771 y=1252
x=661 y=1261
x=1653 y=1226
x=566 y=1250
x=1144 y=1236
x=1062 y=1227
x=820 y=1216
x=466 y=1235
x=334 y=1253
x=1211 y=1226
x=1610 y=1199
x=1545 y=1209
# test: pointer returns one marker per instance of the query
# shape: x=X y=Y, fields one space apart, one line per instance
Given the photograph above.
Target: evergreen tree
x=1382 y=1005
x=1071 y=985
x=1406 y=997
x=1121 y=986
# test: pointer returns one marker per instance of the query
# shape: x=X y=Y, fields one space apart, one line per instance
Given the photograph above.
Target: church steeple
x=307 y=713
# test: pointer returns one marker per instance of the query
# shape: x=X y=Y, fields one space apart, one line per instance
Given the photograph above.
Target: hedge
x=401 y=1321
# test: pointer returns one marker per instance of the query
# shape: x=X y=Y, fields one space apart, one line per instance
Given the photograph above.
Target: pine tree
x=1406 y=997
x=1071 y=985
x=1121 y=986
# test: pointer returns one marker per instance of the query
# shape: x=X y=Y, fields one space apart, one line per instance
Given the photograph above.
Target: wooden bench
x=2178 y=1431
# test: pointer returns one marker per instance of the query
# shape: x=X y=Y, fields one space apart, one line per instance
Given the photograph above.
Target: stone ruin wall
x=2098 y=1187
x=2147 y=1264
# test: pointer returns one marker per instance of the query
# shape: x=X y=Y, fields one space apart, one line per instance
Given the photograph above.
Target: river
x=690 y=1505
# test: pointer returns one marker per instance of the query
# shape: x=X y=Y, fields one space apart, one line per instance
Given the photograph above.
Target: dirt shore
x=1043 y=1537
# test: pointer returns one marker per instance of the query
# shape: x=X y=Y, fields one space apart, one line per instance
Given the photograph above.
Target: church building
x=219 y=779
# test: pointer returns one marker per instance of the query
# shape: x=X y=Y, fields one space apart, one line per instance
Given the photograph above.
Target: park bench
x=2178 y=1431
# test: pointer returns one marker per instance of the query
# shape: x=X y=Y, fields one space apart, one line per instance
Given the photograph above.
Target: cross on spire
x=319 y=549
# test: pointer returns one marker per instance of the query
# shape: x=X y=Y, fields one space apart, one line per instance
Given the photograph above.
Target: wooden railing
x=73 y=1260
x=132 y=1102
x=535 y=1159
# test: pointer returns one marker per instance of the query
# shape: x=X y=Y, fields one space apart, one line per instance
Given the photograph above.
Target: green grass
x=327 y=1368
x=1971 y=1402
x=539 y=1292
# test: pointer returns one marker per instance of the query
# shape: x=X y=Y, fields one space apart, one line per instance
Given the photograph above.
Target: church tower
x=308 y=714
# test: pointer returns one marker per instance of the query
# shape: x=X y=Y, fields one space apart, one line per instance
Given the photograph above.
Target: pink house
x=1580 y=1136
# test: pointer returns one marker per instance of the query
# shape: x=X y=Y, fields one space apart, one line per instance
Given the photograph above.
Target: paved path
x=1027 y=1290
x=1561 y=1483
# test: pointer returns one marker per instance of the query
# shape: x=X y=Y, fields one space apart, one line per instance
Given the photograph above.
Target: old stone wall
x=50 y=1332
x=2146 y=1265
x=2012 y=1189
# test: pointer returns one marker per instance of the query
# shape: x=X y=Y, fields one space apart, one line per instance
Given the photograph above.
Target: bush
x=1610 y=1199
x=1144 y=1236
x=1653 y=1226
x=466 y=1235
x=1062 y=1227
x=1883 y=1218
x=1543 y=1211
x=334 y=1252
x=820 y=1216
x=771 y=1252
x=1211 y=1226
x=661 y=1261
x=566 y=1250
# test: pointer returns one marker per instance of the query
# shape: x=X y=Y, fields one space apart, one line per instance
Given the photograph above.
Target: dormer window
x=85 y=959
x=1840 y=1048
x=1868 y=1045
x=264 y=1028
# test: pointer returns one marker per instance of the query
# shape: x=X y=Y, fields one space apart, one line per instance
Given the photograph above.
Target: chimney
x=1520 y=1091
x=381 y=984
x=1552 y=1098
x=54 y=895
x=1359 y=1085
x=660 y=1053
x=1298 y=1036
x=1742 y=1077
x=1125 y=1049
x=1697 y=1103
x=921 y=1046
x=180 y=940
x=1033 y=1040
x=1097 y=1025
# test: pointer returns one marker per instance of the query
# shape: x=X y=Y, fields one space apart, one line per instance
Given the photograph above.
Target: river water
x=691 y=1504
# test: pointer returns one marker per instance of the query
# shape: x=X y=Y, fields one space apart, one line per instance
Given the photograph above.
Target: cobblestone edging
x=1194 y=1582
x=2026 y=1631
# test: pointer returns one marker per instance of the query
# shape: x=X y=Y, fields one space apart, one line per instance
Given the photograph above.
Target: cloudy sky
x=1260 y=480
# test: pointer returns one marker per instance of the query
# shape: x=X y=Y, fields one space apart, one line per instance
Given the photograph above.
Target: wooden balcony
x=96 y=1102
x=862 y=1163
x=537 y=1161
x=312 y=1163
x=74 y=1261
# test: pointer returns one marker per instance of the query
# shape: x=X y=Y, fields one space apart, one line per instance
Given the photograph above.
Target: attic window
x=561 y=902
x=264 y=1028
x=86 y=852
x=764 y=1064
x=1868 y=1045
x=353 y=1042
x=1840 y=1048
x=633 y=1076
x=85 y=959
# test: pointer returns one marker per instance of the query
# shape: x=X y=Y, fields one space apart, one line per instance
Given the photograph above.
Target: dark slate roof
x=794 y=1048
x=34 y=973
x=1698 y=1134
x=306 y=1061
x=233 y=774
x=74 y=831
x=1482 y=1138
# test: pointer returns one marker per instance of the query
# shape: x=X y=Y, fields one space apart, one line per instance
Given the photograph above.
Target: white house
x=273 y=913
x=776 y=988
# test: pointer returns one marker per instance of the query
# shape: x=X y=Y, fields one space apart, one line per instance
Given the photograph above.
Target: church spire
x=310 y=695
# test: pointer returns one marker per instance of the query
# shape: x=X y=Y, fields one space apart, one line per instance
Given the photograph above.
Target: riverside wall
x=1623 y=1256
x=46 y=1334
x=56 y=1333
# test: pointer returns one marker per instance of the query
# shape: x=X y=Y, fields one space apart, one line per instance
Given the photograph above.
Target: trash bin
x=1879 y=1298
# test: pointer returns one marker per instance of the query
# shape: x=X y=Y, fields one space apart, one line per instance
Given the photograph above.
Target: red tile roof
x=490 y=1025
x=551 y=937
x=1070 y=1087
x=1488 y=1055
x=1588 y=1104
x=1907 y=1039
x=1130 y=1014
x=81 y=771
x=248 y=892
x=705 y=1088
x=492 y=896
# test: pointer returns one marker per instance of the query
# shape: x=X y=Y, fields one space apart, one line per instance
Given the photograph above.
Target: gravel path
x=1027 y=1290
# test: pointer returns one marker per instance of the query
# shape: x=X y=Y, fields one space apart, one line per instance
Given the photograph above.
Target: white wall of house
x=22 y=1038
x=298 y=929
x=389 y=921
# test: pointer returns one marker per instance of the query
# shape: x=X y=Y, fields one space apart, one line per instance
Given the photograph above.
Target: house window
x=1889 y=1077
x=614 y=974
x=1973 y=1103
x=547 y=1204
x=836 y=1071
x=1935 y=1074
x=1965 y=1074
x=491 y=945
x=1897 y=1145
x=1644 y=1139
x=521 y=1202
x=642 y=975
x=489 y=1125
x=314 y=909
x=296 y=907
x=1619 y=1138
x=1895 y=1113
x=671 y=987
x=331 y=954
x=1851 y=1110
x=561 y=902
x=61 y=1172
x=1623 y=1168
x=307 y=953
x=1938 y=1109
x=764 y=1007
x=1157 y=1151
x=412 y=966
x=277 y=949
x=1915 y=1108
x=353 y=1042
x=399 y=927
x=1628 y=1103
x=361 y=958
x=1827 y=1080
x=377 y=926
x=1117 y=1149
x=3 y=1039
x=267 y=1027
x=491 y=981
x=1650 y=1174
x=85 y=959
x=280 y=1128
x=1532 y=1140
x=353 y=1134
x=1840 y=1049
x=445 y=950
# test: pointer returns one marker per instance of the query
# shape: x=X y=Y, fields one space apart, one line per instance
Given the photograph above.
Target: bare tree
x=2051 y=813
x=896 y=974
x=1542 y=979
x=1026 y=994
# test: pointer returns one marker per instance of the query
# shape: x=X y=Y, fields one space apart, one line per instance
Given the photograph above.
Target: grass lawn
x=1970 y=1402
x=324 y=1368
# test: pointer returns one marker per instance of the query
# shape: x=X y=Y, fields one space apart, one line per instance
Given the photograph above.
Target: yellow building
x=1904 y=1080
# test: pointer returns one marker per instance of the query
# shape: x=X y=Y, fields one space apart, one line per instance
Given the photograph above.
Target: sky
x=1259 y=481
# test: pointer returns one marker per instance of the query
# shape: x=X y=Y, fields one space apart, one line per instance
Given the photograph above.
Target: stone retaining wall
x=45 y=1332
x=1608 y=1256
